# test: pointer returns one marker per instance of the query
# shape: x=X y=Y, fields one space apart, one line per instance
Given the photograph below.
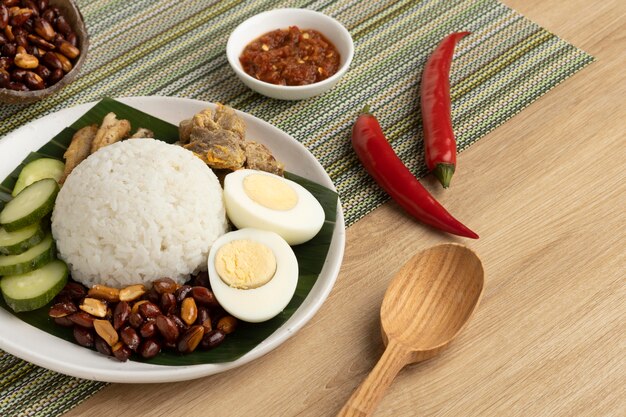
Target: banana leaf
x=311 y=255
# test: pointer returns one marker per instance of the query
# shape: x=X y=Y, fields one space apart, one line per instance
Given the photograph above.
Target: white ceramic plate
x=43 y=349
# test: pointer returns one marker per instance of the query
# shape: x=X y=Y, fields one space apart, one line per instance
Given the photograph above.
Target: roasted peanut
x=130 y=337
x=83 y=336
x=182 y=293
x=149 y=310
x=121 y=314
x=11 y=3
x=72 y=39
x=105 y=330
x=43 y=72
x=82 y=319
x=8 y=31
x=132 y=292
x=135 y=320
x=74 y=290
x=212 y=339
x=102 y=292
x=164 y=285
x=204 y=296
x=190 y=340
x=62 y=26
x=168 y=302
x=179 y=323
x=67 y=49
x=9 y=49
x=44 y=29
x=66 y=65
x=63 y=321
x=18 y=75
x=31 y=5
x=149 y=348
x=19 y=16
x=52 y=61
x=26 y=61
x=20 y=40
x=6 y=62
x=227 y=324
x=48 y=15
x=148 y=329
x=39 y=41
x=62 y=310
x=42 y=5
x=121 y=352
x=204 y=319
x=55 y=76
x=34 y=81
x=94 y=307
x=102 y=346
x=167 y=328
x=4 y=16
x=189 y=311
x=135 y=308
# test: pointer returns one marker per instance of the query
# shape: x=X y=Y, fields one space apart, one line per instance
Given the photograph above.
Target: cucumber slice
x=34 y=289
x=36 y=170
x=29 y=206
x=33 y=258
x=14 y=243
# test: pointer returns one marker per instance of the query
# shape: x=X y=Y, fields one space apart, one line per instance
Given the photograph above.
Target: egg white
x=296 y=225
x=265 y=302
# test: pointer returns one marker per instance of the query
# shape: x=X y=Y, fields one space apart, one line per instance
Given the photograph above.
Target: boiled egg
x=266 y=201
x=253 y=273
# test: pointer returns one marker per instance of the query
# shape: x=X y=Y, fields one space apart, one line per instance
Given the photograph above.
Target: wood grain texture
x=426 y=305
x=546 y=192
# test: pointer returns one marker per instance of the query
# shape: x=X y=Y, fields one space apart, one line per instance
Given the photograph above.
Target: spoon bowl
x=427 y=304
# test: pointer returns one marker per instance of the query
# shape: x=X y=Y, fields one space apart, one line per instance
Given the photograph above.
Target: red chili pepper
x=439 y=143
x=382 y=163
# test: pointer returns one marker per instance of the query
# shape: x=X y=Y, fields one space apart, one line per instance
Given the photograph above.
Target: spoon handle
x=366 y=397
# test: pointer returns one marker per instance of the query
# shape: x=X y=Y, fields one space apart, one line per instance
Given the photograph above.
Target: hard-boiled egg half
x=266 y=201
x=253 y=273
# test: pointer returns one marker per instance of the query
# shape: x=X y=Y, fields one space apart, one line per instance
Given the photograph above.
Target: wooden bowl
x=69 y=9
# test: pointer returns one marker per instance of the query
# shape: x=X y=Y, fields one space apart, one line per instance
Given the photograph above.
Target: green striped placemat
x=174 y=48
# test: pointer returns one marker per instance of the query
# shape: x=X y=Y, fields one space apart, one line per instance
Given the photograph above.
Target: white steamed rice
x=136 y=211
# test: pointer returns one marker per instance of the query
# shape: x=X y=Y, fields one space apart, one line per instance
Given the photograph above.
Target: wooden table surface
x=546 y=191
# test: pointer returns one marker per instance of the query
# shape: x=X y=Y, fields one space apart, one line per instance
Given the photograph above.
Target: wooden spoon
x=426 y=305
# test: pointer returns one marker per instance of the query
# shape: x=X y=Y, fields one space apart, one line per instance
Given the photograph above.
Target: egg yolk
x=270 y=192
x=245 y=264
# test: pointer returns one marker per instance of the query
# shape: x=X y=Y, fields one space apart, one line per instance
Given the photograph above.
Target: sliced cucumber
x=29 y=206
x=36 y=170
x=33 y=258
x=14 y=243
x=34 y=289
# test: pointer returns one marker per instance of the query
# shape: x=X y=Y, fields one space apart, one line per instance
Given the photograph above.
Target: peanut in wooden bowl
x=75 y=19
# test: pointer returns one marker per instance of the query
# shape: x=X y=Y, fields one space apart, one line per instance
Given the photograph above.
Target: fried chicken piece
x=142 y=133
x=219 y=149
x=79 y=149
x=111 y=130
x=227 y=119
x=223 y=118
x=259 y=157
x=184 y=131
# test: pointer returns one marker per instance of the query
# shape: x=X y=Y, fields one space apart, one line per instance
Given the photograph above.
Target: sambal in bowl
x=290 y=54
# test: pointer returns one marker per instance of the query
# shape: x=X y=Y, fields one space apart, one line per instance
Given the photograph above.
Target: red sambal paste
x=290 y=57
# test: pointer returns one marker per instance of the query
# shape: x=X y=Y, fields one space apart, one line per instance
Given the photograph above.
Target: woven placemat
x=174 y=48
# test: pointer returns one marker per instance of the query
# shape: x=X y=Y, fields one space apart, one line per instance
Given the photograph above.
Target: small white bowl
x=265 y=22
